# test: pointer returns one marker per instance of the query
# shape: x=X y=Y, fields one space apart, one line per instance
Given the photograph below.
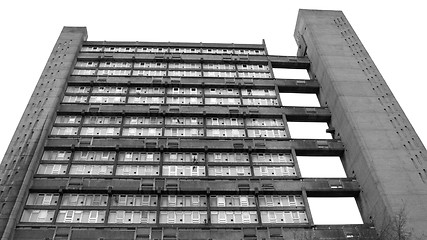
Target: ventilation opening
x=287 y=73
x=309 y=130
x=338 y=210
x=299 y=99
x=321 y=167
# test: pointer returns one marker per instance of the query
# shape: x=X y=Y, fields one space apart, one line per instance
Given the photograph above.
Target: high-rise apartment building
x=163 y=140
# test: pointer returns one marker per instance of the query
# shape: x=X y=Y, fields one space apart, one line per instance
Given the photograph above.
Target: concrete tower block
x=383 y=151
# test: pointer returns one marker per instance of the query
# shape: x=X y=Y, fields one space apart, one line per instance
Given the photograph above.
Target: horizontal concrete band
x=276 y=61
x=303 y=146
x=314 y=187
x=304 y=114
x=284 y=85
x=193 y=232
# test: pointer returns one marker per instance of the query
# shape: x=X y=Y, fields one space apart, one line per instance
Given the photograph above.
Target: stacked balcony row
x=175 y=95
x=168 y=170
x=170 y=66
x=118 y=90
x=150 y=69
x=150 y=157
x=173 y=209
x=178 y=50
x=172 y=164
x=169 y=73
x=178 y=121
x=169 y=127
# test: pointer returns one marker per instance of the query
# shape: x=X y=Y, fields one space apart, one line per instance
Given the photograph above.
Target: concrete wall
x=382 y=149
x=26 y=146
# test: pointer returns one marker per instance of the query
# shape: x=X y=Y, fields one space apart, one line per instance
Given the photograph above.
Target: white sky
x=393 y=33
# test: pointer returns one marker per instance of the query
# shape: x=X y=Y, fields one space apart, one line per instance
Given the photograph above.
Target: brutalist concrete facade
x=383 y=152
x=20 y=160
x=161 y=140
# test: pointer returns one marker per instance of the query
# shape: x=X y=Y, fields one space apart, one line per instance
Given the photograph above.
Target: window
x=264 y=122
x=178 y=170
x=94 y=131
x=194 y=132
x=233 y=201
x=106 y=99
x=267 y=133
x=280 y=201
x=260 y=101
x=133 y=120
x=234 y=121
x=55 y=169
x=174 y=132
x=110 y=131
x=38 y=216
x=235 y=133
x=175 y=121
x=84 y=200
x=148 y=73
x=83 y=72
x=56 y=155
x=74 y=99
x=183 y=217
x=72 y=89
x=78 y=169
x=172 y=157
x=44 y=199
x=228 y=157
x=215 y=132
x=132 y=217
x=184 y=157
x=100 y=120
x=133 y=170
x=80 y=216
x=283 y=217
x=263 y=158
x=274 y=171
x=128 y=156
x=131 y=132
x=183 y=201
x=229 y=171
x=134 y=200
x=193 y=100
x=215 y=121
x=234 y=217
x=142 y=131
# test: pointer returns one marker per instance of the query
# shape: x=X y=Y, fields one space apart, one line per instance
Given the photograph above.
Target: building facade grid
x=161 y=140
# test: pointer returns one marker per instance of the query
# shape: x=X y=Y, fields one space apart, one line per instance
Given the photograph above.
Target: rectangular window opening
x=286 y=73
x=299 y=99
x=334 y=210
x=309 y=130
x=321 y=167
